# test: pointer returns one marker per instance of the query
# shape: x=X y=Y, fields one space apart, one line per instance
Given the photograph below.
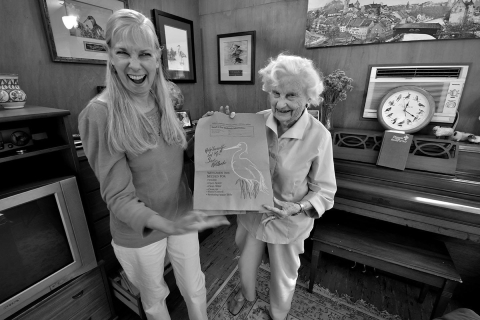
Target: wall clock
x=406 y=108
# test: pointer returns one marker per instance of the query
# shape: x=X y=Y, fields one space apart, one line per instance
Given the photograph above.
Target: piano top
x=447 y=204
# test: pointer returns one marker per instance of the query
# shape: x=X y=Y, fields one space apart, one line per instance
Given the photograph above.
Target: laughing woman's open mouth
x=137 y=79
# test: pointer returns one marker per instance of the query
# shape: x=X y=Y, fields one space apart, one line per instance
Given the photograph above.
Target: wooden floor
x=386 y=292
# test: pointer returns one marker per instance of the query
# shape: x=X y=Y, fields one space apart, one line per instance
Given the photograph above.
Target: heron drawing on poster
x=249 y=177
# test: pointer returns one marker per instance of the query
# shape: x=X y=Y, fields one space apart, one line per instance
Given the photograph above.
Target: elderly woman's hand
x=227 y=111
x=287 y=209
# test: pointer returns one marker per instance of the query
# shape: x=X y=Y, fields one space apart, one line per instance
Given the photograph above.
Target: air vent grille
x=424 y=72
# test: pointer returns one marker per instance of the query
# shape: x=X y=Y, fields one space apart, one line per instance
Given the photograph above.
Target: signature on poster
x=212 y=154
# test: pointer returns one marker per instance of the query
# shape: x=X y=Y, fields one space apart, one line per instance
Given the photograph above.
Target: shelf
x=31 y=152
x=30 y=113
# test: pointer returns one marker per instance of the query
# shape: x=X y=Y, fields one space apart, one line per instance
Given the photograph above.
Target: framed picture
x=176 y=37
x=185 y=118
x=315 y=114
x=236 y=58
x=343 y=23
x=76 y=29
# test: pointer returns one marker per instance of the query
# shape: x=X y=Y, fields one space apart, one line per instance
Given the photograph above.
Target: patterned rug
x=319 y=305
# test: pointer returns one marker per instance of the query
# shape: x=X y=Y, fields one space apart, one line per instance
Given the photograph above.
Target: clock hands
x=414 y=117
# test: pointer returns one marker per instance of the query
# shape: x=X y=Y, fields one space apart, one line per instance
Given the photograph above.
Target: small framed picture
x=236 y=58
x=185 y=119
x=176 y=37
x=315 y=114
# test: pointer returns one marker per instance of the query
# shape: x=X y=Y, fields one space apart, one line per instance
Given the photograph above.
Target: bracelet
x=302 y=209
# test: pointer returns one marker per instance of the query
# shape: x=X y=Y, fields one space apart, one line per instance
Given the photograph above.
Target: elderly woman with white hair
x=135 y=145
x=303 y=181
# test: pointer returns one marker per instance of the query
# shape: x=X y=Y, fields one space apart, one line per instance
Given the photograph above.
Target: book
x=394 y=150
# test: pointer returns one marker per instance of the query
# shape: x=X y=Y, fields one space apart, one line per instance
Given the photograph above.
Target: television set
x=44 y=242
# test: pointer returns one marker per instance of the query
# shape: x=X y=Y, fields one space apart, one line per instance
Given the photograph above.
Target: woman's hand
x=197 y=221
x=287 y=209
x=193 y=221
x=222 y=110
x=227 y=111
x=208 y=114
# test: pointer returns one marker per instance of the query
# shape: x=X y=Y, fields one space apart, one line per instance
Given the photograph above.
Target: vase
x=326 y=115
x=11 y=95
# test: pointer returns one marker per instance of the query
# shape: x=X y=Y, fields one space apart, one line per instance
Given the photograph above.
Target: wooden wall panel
x=272 y=37
x=280 y=26
x=25 y=51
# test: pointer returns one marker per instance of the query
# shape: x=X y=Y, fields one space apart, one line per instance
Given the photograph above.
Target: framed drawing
x=338 y=23
x=75 y=29
x=176 y=37
x=236 y=58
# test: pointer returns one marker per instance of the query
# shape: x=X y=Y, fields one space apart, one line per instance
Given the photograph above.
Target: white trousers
x=144 y=268
x=284 y=265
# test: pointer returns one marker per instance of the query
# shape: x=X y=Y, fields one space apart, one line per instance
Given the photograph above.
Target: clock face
x=406 y=108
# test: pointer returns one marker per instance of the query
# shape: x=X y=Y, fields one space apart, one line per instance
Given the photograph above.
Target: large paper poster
x=231 y=164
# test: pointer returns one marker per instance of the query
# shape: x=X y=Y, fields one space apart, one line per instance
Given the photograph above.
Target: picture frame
x=314 y=113
x=331 y=24
x=236 y=58
x=185 y=118
x=84 y=43
x=175 y=35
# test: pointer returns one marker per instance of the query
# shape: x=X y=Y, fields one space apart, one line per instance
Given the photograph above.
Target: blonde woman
x=135 y=145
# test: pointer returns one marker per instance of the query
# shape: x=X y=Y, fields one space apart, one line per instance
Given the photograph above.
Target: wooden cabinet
x=85 y=297
x=47 y=155
x=97 y=213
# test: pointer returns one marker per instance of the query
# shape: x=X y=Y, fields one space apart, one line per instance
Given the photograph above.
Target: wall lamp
x=70 y=21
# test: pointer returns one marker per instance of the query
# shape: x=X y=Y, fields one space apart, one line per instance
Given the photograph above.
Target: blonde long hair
x=128 y=129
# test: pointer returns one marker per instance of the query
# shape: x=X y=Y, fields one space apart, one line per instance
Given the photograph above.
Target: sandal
x=236 y=304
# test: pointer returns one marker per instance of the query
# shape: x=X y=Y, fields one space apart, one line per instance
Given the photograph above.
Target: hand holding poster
x=231 y=164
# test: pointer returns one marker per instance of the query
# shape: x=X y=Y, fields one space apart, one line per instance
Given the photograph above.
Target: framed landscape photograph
x=342 y=22
x=236 y=58
x=76 y=29
x=176 y=37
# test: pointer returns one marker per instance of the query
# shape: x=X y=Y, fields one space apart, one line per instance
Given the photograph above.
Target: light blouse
x=301 y=166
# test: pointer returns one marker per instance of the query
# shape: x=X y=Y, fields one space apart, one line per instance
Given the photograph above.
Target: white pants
x=144 y=267
x=284 y=265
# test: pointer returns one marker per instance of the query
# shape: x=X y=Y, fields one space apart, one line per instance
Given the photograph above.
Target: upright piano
x=438 y=192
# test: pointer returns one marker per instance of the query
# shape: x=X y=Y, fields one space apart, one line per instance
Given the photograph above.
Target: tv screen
x=33 y=245
x=44 y=242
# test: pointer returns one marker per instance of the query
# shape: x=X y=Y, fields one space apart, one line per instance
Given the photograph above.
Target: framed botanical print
x=76 y=29
x=175 y=35
x=236 y=58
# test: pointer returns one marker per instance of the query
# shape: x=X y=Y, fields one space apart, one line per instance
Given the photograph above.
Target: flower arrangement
x=336 y=84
